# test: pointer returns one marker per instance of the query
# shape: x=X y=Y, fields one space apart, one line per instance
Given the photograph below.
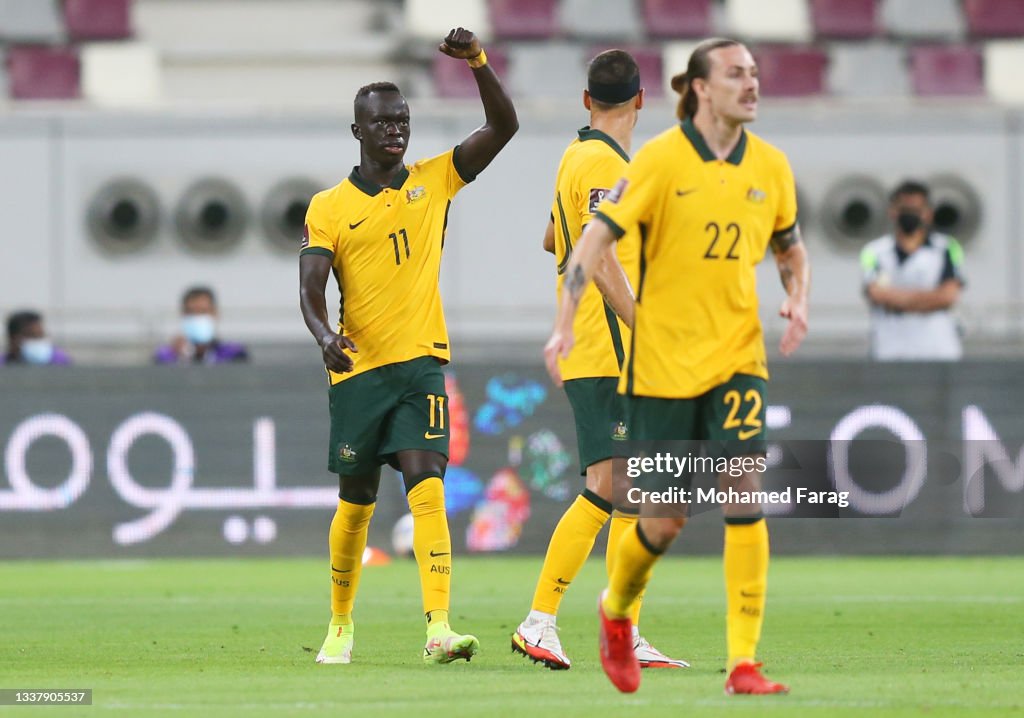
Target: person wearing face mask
x=912 y=279
x=28 y=344
x=197 y=342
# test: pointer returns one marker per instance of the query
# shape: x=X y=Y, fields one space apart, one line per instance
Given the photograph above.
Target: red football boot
x=617 y=657
x=747 y=679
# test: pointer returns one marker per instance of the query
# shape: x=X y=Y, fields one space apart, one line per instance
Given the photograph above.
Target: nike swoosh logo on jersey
x=684 y=192
x=561 y=581
x=347 y=570
x=744 y=435
x=353 y=226
x=442 y=553
x=428 y=435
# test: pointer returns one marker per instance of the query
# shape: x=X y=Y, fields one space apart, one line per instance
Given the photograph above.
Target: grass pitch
x=892 y=637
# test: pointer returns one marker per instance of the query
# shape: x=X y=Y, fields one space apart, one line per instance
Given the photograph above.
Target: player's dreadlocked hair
x=699 y=66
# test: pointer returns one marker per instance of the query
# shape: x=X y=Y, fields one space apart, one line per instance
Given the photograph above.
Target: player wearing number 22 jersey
x=708 y=199
x=381 y=232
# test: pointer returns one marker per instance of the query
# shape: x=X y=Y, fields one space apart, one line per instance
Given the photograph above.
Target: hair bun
x=679 y=82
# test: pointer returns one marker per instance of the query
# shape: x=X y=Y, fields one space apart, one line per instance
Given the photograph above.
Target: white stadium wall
x=497 y=282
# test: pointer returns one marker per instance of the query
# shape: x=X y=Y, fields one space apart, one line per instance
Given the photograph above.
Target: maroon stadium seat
x=42 y=73
x=455 y=79
x=946 y=70
x=524 y=19
x=677 y=18
x=98 y=19
x=995 y=18
x=844 y=18
x=791 y=71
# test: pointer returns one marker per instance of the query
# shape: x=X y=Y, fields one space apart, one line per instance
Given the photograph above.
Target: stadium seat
x=98 y=19
x=665 y=19
x=455 y=79
x=922 y=18
x=524 y=19
x=43 y=73
x=872 y=69
x=31 y=21
x=120 y=73
x=431 y=20
x=1003 y=60
x=613 y=20
x=199 y=32
x=551 y=70
x=995 y=18
x=791 y=71
x=775 y=21
x=946 y=70
x=844 y=19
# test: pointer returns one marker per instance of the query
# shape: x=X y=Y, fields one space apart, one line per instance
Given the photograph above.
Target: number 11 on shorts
x=436 y=411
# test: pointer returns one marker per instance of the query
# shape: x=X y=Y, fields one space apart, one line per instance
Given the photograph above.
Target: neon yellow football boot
x=337 y=646
x=445 y=645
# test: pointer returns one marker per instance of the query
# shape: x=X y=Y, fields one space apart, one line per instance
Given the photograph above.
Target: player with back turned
x=709 y=198
x=381 y=232
x=590 y=166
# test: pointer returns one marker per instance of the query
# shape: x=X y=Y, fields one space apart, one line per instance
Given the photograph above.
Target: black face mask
x=909 y=221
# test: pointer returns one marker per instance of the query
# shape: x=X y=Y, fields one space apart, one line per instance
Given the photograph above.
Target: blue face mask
x=199 y=328
x=37 y=351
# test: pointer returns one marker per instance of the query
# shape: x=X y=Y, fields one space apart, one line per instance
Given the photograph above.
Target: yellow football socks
x=634 y=562
x=347 y=541
x=570 y=545
x=746 y=580
x=619 y=525
x=432 y=545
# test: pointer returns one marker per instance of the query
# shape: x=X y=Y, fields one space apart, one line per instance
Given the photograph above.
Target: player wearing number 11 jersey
x=381 y=232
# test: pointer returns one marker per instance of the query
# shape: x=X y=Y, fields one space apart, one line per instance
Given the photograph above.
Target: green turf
x=887 y=637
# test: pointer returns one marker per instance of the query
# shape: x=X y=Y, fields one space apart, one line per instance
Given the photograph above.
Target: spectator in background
x=198 y=342
x=27 y=342
x=912 y=279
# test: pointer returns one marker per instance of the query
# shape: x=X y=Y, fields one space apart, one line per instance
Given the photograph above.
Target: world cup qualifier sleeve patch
x=597 y=195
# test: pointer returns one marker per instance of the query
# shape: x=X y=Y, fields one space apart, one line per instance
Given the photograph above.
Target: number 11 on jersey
x=405 y=240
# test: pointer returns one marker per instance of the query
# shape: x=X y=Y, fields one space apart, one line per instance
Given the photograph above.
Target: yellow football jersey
x=590 y=167
x=704 y=226
x=386 y=245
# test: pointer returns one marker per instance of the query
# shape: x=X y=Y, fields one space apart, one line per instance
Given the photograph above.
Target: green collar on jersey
x=587 y=133
x=374 y=189
x=697 y=140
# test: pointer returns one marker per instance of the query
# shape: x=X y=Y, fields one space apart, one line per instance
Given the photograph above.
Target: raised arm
x=314 y=269
x=500 y=121
x=595 y=241
x=795 y=272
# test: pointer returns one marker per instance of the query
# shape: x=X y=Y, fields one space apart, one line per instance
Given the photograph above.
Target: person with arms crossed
x=589 y=168
x=381 y=232
x=709 y=198
x=912 y=280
